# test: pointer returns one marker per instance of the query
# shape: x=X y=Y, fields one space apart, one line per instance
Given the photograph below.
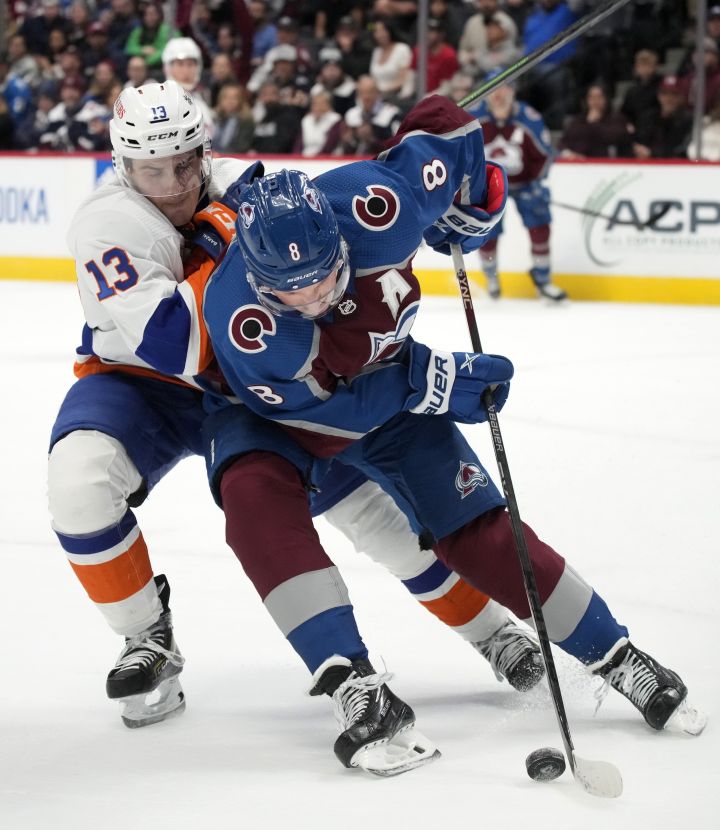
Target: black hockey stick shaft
x=652 y=220
x=544 y=50
x=531 y=589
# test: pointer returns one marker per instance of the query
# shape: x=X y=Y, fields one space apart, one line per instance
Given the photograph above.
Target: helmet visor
x=312 y=301
x=165 y=178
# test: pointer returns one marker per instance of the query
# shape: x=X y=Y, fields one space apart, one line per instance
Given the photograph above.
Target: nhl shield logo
x=347 y=307
x=469 y=477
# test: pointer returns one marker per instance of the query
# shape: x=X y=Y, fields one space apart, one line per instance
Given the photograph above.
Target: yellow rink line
x=624 y=289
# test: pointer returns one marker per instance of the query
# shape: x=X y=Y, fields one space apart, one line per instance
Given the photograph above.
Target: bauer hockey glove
x=469 y=226
x=214 y=229
x=454 y=383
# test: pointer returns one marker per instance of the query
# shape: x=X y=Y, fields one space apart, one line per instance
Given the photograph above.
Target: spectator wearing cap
x=288 y=32
x=264 y=31
x=370 y=123
x=57 y=133
x=333 y=80
x=234 y=125
x=598 y=132
x=666 y=135
x=321 y=128
x=354 y=46
x=641 y=96
x=21 y=63
x=276 y=124
x=281 y=66
x=390 y=63
x=490 y=29
x=137 y=72
x=36 y=30
x=150 y=37
x=98 y=48
x=89 y=130
x=442 y=62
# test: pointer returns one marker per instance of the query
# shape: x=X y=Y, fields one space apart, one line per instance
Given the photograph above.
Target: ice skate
x=377 y=731
x=546 y=288
x=145 y=676
x=658 y=693
x=493 y=285
x=514 y=656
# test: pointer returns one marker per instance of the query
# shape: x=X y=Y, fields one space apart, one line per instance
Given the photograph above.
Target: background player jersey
x=521 y=144
x=140 y=311
x=337 y=378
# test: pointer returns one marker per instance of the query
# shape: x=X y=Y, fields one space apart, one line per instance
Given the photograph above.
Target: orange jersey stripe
x=94 y=366
x=119 y=578
x=459 y=606
x=197 y=280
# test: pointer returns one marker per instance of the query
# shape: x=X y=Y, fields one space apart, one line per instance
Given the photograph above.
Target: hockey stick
x=652 y=220
x=598 y=778
x=543 y=51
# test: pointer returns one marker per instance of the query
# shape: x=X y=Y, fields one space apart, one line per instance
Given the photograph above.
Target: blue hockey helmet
x=290 y=239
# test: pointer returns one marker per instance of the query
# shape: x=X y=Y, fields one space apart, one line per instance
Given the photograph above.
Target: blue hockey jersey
x=335 y=379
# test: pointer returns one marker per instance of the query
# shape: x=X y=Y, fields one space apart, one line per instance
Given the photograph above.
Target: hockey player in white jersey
x=144 y=248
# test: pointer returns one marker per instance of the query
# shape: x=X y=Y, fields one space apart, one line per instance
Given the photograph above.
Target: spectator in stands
x=442 y=62
x=68 y=65
x=462 y=83
x=149 y=38
x=548 y=86
x=264 y=32
x=449 y=13
x=103 y=85
x=276 y=124
x=666 y=135
x=598 y=132
x=641 y=96
x=370 y=123
x=234 y=125
x=122 y=20
x=288 y=32
x=36 y=30
x=713 y=24
x=57 y=44
x=227 y=42
x=321 y=128
x=21 y=63
x=488 y=39
x=519 y=11
x=221 y=72
x=137 y=72
x=89 y=130
x=334 y=81
x=709 y=138
x=390 y=63
x=61 y=116
x=79 y=20
x=710 y=58
x=99 y=48
x=355 y=47
x=400 y=14
x=292 y=84
x=27 y=134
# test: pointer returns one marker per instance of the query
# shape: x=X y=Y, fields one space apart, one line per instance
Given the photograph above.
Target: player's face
x=172 y=184
x=313 y=300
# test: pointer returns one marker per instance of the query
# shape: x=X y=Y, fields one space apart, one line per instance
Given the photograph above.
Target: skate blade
x=597 y=778
x=686 y=718
x=407 y=750
x=167 y=700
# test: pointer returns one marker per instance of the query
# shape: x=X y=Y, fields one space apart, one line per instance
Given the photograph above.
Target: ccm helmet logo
x=161 y=136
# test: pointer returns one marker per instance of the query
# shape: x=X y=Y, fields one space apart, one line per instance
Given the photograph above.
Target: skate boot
x=546 y=288
x=658 y=693
x=514 y=656
x=493 y=283
x=144 y=678
x=377 y=732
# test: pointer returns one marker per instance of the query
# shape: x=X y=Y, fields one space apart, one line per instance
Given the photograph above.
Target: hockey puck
x=545 y=764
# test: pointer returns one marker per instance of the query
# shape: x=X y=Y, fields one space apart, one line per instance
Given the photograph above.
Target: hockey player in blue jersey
x=516 y=137
x=310 y=314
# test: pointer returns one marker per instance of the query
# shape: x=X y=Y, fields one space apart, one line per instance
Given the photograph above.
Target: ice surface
x=612 y=436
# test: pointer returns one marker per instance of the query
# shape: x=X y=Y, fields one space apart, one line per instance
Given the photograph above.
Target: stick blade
x=598 y=778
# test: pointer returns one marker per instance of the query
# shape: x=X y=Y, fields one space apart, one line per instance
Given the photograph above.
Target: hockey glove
x=232 y=197
x=454 y=383
x=470 y=225
x=214 y=229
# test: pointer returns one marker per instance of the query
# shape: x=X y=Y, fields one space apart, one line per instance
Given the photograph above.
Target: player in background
x=516 y=137
x=182 y=62
x=310 y=314
x=144 y=246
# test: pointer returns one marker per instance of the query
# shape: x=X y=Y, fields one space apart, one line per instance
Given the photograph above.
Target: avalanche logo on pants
x=468 y=478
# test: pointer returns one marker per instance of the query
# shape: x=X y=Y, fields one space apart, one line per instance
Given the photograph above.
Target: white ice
x=612 y=436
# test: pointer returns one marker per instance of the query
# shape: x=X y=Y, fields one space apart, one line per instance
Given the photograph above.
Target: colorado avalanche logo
x=377 y=211
x=311 y=197
x=469 y=477
x=247 y=214
x=248 y=327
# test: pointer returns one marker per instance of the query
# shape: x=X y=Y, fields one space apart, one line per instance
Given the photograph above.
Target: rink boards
x=593 y=258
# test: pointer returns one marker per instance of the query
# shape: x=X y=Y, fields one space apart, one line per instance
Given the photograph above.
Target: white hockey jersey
x=140 y=310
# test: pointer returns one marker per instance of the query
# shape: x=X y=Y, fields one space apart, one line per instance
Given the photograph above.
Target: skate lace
x=351 y=698
x=504 y=649
x=141 y=649
x=633 y=678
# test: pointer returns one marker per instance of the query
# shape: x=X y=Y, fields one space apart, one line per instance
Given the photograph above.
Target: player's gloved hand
x=454 y=383
x=214 y=229
x=232 y=197
x=470 y=225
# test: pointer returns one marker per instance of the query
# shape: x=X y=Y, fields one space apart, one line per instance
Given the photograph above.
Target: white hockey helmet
x=179 y=49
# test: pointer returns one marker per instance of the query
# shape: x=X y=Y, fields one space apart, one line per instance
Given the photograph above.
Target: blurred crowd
x=310 y=77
